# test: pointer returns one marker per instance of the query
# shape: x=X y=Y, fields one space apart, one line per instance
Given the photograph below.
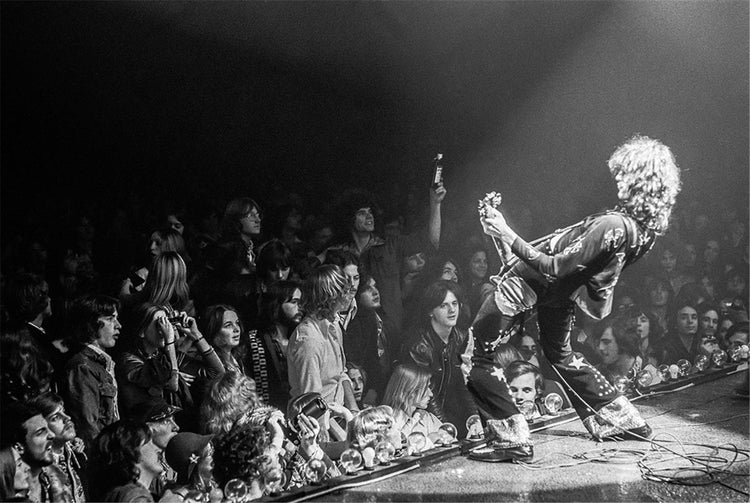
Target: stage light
x=684 y=367
x=315 y=470
x=553 y=403
x=719 y=358
x=235 y=490
x=350 y=460
x=701 y=362
x=417 y=442
x=644 y=379
x=474 y=429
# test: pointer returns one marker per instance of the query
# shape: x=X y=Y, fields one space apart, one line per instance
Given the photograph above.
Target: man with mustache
x=67 y=448
x=280 y=313
x=25 y=430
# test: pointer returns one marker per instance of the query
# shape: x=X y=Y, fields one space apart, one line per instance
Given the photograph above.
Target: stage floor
x=709 y=414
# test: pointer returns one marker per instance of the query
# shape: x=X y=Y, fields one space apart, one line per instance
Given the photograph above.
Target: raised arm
x=436 y=199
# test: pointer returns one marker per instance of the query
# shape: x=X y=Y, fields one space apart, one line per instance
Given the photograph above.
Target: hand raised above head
x=438 y=194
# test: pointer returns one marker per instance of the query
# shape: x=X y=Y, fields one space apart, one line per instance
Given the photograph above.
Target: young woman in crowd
x=274 y=263
x=368 y=339
x=659 y=295
x=123 y=464
x=169 y=357
x=167 y=285
x=477 y=283
x=408 y=394
x=191 y=456
x=148 y=366
x=164 y=240
x=223 y=329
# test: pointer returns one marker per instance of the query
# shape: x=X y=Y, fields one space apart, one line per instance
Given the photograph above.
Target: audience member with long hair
x=124 y=462
x=408 y=393
x=229 y=399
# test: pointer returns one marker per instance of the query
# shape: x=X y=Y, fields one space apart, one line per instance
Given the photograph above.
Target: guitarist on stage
x=577 y=265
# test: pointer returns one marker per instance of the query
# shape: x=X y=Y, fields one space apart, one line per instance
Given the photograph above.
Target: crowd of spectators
x=168 y=356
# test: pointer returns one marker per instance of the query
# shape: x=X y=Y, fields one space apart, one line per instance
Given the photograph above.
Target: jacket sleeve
x=596 y=247
x=149 y=373
x=83 y=401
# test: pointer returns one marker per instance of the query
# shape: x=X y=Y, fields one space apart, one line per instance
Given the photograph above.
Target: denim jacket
x=91 y=393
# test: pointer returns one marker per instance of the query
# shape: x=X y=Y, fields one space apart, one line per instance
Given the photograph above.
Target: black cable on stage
x=648 y=472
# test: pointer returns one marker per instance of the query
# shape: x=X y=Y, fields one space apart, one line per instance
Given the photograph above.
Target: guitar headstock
x=491 y=200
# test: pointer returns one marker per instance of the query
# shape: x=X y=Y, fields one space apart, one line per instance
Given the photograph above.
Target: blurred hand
x=274 y=425
x=188 y=378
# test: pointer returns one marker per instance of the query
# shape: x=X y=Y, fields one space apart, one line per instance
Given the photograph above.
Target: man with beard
x=25 y=430
x=280 y=313
x=67 y=448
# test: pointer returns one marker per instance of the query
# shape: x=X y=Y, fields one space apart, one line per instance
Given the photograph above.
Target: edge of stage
x=569 y=466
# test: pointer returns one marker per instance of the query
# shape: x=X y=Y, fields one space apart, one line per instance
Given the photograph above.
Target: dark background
x=168 y=99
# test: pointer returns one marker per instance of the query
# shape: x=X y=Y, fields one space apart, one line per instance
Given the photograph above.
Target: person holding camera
x=154 y=366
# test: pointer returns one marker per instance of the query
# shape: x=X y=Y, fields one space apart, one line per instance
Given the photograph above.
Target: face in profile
x=109 y=331
x=370 y=296
x=163 y=431
x=642 y=326
x=364 y=220
x=151 y=458
x=37 y=447
x=351 y=272
x=61 y=425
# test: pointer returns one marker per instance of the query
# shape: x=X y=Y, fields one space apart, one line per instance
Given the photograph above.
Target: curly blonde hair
x=370 y=426
x=648 y=181
x=229 y=398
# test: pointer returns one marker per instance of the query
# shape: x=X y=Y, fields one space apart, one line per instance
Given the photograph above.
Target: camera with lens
x=310 y=404
x=176 y=321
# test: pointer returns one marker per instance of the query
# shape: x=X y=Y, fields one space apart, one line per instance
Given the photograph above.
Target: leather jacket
x=426 y=349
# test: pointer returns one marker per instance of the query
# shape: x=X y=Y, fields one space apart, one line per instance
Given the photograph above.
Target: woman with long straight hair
x=167 y=284
x=408 y=393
